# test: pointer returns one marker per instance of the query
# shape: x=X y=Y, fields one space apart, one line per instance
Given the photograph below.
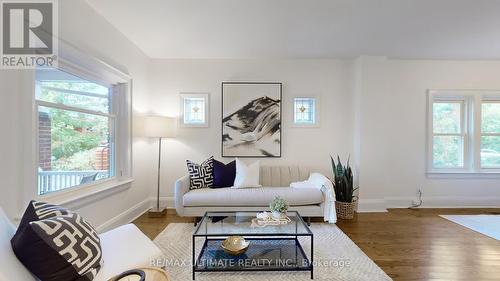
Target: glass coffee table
x=272 y=248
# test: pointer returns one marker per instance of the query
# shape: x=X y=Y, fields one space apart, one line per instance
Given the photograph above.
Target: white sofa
x=275 y=181
x=123 y=248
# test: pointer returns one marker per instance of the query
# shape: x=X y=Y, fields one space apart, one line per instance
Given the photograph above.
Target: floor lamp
x=158 y=127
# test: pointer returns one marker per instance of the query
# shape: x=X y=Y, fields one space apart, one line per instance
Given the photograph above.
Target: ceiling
x=430 y=29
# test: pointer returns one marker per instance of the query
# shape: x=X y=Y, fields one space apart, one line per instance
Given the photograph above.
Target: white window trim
x=317 y=120
x=206 y=97
x=99 y=72
x=471 y=119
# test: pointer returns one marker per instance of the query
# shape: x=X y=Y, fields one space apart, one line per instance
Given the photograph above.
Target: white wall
x=82 y=27
x=330 y=80
x=371 y=107
x=10 y=146
x=392 y=108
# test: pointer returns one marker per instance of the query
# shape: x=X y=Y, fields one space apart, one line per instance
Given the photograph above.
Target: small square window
x=194 y=110
x=304 y=111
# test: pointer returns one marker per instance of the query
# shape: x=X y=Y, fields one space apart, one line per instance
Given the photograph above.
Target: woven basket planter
x=345 y=210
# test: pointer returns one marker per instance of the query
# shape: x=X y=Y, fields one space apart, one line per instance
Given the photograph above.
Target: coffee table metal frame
x=269 y=236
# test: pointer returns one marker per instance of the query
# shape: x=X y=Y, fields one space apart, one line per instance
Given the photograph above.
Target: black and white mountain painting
x=251 y=122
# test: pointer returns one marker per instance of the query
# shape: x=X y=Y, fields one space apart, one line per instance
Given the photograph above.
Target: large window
x=464 y=132
x=76 y=124
x=490 y=134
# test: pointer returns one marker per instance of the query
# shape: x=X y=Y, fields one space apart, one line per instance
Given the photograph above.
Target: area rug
x=488 y=225
x=336 y=258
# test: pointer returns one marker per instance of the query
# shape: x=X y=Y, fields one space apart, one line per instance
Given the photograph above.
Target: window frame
x=111 y=115
x=471 y=129
x=316 y=123
x=120 y=84
x=485 y=99
x=186 y=95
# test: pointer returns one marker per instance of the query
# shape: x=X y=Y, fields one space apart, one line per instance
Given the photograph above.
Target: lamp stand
x=157 y=211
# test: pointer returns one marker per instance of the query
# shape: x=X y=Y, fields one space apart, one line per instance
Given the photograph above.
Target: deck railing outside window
x=50 y=181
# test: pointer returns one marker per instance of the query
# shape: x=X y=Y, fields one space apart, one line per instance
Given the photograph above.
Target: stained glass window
x=305 y=111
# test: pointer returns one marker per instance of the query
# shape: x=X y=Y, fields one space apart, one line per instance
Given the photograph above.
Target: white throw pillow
x=247 y=175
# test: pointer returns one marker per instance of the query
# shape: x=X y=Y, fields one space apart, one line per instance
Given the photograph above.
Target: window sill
x=85 y=195
x=463 y=175
x=188 y=125
x=316 y=125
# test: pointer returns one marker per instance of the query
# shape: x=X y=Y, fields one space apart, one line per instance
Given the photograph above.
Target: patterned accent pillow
x=201 y=175
x=60 y=248
x=40 y=210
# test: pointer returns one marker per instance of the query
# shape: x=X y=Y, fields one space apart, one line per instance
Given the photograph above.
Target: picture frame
x=251 y=119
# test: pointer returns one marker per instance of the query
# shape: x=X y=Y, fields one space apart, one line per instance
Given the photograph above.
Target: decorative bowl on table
x=235 y=245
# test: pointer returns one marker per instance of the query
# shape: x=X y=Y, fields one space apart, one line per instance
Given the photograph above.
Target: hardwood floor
x=407 y=244
x=420 y=245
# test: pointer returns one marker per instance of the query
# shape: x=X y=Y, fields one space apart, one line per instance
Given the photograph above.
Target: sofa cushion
x=247 y=175
x=258 y=196
x=224 y=174
x=59 y=248
x=37 y=210
x=10 y=267
x=124 y=248
x=201 y=175
x=277 y=176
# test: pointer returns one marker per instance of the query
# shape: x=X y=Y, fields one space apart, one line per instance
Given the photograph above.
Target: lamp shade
x=158 y=127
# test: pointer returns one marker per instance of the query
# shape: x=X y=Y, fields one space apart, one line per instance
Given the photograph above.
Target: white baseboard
x=364 y=206
x=382 y=204
x=371 y=205
x=461 y=202
x=398 y=202
x=168 y=202
x=134 y=212
x=126 y=217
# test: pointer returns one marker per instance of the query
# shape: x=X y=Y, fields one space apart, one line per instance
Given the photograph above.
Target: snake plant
x=343 y=182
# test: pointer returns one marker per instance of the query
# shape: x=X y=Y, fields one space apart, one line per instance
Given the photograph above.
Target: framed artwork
x=251 y=119
x=195 y=109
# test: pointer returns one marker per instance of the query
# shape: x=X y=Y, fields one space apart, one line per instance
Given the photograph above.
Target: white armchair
x=123 y=248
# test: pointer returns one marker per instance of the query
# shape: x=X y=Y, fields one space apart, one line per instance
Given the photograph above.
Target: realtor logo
x=29 y=34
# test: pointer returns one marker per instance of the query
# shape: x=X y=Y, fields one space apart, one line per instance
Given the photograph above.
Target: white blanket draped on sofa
x=319 y=181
